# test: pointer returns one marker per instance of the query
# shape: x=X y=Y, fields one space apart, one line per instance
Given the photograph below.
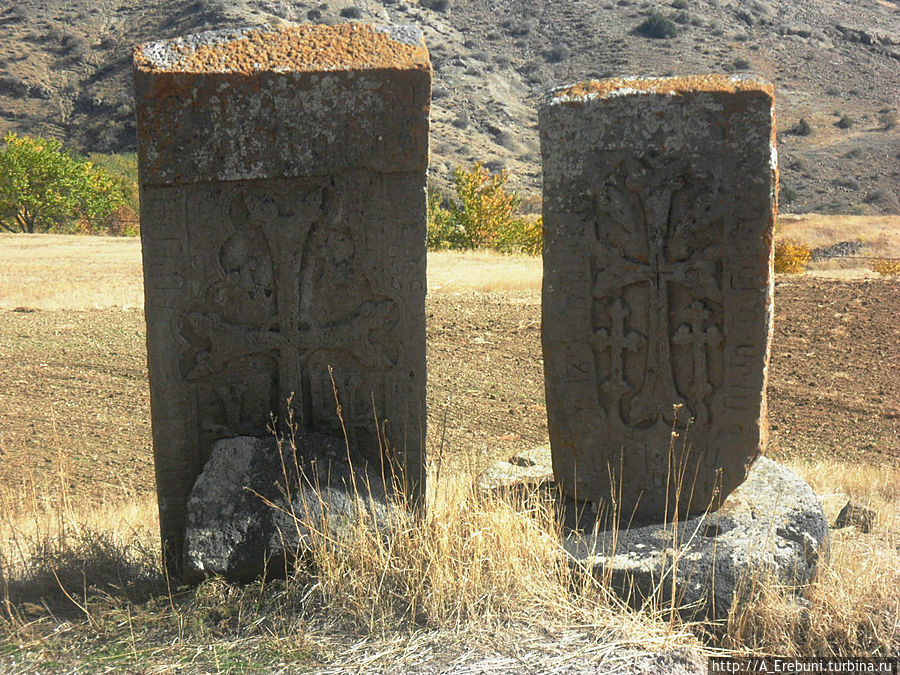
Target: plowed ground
x=74 y=398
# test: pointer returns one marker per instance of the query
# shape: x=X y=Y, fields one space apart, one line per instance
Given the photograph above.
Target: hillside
x=65 y=71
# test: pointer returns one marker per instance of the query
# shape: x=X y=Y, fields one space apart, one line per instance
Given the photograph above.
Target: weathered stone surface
x=659 y=199
x=773 y=524
x=252 y=505
x=304 y=101
x=283 y=219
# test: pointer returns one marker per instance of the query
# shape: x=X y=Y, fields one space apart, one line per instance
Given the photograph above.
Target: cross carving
x=226 y=339
x=617 y=341
x=651 y=219
x=698 y=338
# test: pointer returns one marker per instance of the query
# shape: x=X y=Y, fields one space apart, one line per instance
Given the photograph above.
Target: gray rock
x=772 y=524
x=800 y=29
x=838 y=250
x=856 y=515
x=250 y=509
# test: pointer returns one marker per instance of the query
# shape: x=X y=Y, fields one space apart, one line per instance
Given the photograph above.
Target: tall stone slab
x=659 y=204
x=283 y=219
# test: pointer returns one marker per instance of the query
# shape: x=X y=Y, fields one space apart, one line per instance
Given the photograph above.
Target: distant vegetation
x=657 y=26
x=801 y=128
x=791 y=256
x=47 y=188
x=483 y=214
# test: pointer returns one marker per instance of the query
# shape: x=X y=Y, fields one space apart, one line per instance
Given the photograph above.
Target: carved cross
x=290 y=252
x=617 y=341
x=699 y=338
x=655 y=220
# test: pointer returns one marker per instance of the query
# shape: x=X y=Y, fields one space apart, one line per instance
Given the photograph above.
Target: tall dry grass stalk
x=472 y=560
x=470 y=567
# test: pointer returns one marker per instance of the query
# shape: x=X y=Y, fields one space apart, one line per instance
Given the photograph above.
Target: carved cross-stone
x=659 y=198
x=283 y=219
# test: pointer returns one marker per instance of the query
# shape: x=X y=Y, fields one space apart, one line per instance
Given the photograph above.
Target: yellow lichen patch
x=298 y=48
x=659 y=85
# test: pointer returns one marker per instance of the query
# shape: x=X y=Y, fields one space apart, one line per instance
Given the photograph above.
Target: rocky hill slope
x=65 y=70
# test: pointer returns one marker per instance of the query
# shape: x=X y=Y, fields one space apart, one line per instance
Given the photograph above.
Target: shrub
x=846 y=182
x=801 y=128
x=658 y=27
x=791 y=257
x=874 y=196
x=482 y=215
x=557 y=53
x=885 y=267
x=844 y=123
x=443 y=232
x=44 y=187
x=124 y=170
x=788 y=195
x=436 y=5
x=741 y=63
x=887 y=119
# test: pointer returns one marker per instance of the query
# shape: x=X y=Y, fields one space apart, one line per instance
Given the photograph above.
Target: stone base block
x=771 y=529
x=252 y=508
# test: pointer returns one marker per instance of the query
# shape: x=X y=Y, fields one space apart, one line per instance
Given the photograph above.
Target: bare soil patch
x=73 y=384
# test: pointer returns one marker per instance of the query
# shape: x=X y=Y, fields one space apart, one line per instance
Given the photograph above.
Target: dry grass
x=467 y=271
x=58 y=271
x=880 y=234
x=77 y=272
x=817 y=230
x=853 y=605
x=478 y=577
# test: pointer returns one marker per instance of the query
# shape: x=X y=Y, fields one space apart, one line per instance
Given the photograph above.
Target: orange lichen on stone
x=621 y=86
x=299 y=48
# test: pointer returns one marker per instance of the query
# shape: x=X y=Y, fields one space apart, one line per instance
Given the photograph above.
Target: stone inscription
x=658 y=214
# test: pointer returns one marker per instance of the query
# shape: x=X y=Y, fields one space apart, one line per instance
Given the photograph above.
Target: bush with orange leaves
x=791 y=256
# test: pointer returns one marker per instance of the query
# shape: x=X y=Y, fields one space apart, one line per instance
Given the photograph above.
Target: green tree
x=483 y=215
x=45 y=187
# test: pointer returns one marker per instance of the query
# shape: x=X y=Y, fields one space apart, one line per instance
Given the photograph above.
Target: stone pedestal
x=659 y=205
x=771 y=530
x=283 y=219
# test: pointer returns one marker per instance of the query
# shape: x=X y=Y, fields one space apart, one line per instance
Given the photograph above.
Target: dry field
x=79 y=577
x=880 y=236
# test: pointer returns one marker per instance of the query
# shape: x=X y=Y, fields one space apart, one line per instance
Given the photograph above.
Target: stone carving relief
x=286 y=298
x=657 y=294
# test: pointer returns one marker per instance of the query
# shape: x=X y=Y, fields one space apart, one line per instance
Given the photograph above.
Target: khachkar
x=283 y=219
x=659 y=204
